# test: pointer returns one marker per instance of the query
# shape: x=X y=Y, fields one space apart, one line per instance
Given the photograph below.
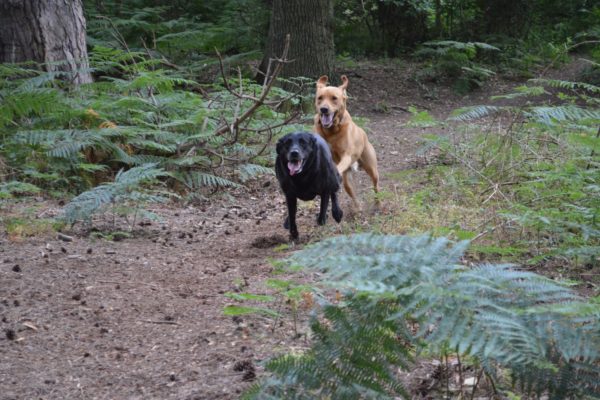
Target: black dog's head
x=295 y=149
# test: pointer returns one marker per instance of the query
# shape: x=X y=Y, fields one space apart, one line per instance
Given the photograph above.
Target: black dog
x=305 y=169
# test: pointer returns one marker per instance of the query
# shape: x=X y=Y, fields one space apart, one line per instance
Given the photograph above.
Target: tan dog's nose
x=324 y=110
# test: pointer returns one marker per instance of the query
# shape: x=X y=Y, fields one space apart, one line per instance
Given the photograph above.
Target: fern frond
x=522 y=91
x=497 y=314
x=127 y=184
x=551 y=115
x=196 y=180
x=15 y=105
x=249 y=171
x=20 y=188
x=567 y=85
x=353 y=357
x=471 y=113
x=141 y=159
x=153 y=145
x=137 y=175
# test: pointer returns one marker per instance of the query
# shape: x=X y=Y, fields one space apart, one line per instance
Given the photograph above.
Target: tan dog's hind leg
x=347 y=179
x=368 y=161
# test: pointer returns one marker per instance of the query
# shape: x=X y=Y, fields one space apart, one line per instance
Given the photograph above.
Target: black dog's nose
x=294 y=154
x=324 y=110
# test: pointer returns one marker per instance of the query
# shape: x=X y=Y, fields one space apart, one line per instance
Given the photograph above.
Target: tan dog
x=348 y=141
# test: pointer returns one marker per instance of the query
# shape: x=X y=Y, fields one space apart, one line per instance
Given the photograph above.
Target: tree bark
x=509 y=17
x=50 y=32
x=438 y=19
x=310 y=25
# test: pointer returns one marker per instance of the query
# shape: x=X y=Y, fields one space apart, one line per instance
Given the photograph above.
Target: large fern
x=144 y=114
x=127 y=186
x=541 y=331
x=546 y=163
x=356 y=348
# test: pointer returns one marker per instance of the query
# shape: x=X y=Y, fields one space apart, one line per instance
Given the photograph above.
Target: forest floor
x=142 y=317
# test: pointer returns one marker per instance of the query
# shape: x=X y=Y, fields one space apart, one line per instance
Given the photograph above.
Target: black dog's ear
x=280 y=144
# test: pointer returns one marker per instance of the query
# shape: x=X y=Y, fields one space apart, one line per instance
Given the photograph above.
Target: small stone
x=64 y=238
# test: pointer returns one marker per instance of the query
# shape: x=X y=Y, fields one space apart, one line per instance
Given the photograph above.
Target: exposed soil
x=142 y=318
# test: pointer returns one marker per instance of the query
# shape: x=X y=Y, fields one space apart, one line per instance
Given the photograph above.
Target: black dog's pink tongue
x=327 y=120
x=294 y=167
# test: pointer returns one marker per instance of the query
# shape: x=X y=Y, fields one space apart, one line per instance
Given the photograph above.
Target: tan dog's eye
x=334 y=98
x=320 y=98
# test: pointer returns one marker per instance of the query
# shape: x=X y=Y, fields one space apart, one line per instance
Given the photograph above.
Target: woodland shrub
x=410 y=297
x=68 y=139
x=544 y=168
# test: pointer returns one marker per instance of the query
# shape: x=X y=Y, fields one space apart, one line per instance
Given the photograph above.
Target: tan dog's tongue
x=327 y=120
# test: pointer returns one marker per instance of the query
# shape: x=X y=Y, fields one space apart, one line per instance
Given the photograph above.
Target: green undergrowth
x=22 y=227
x=24 y=219
x=138 y=115
x=407 y=299
x=432 y=199
x=525 y=191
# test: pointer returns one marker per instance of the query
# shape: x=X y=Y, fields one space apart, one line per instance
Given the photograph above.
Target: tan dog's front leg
x=344 y=164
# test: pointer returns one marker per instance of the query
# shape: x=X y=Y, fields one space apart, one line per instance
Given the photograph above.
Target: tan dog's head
x=330 y=101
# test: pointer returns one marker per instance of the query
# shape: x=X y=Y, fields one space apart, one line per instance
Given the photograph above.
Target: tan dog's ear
x=344 y=83
x=322 y=82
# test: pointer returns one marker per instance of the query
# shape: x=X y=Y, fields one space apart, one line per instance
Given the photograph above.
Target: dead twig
x=476 y=383
x=149 y=321
x=234 y=126
x=477 y=172
x=150 y=285
x=259 y=102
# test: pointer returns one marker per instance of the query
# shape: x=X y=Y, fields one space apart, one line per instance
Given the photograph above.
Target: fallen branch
x=234 y=127
x=266 y=89
x=149 y=321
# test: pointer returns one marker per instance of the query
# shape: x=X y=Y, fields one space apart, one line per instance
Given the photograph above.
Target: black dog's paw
x=321 y=219
x=294 y=234
x=337 y=214
x=286 y=223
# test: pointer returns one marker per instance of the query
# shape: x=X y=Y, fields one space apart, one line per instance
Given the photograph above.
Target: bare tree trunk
x=510 y=17
x=51 y=32
x=438 y=19
x=310 y=25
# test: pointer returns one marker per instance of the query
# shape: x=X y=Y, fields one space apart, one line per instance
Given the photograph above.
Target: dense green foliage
x=168 y=117
x=157 y=97
x=66 y=138
x=388 y=27
x=355 y=349
x=544 y=168
x=412 y=295
x=182 y=31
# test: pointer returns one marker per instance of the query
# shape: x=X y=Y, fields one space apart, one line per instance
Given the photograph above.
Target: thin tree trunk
x=310 y=25
x=438 y=19
x=51 y=32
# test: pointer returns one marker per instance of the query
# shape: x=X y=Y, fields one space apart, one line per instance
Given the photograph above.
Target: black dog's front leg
x=336 y=211
x=290 y=221
x=322 y=218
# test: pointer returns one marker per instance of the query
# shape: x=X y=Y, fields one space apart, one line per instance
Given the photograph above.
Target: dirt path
x=142 y=318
